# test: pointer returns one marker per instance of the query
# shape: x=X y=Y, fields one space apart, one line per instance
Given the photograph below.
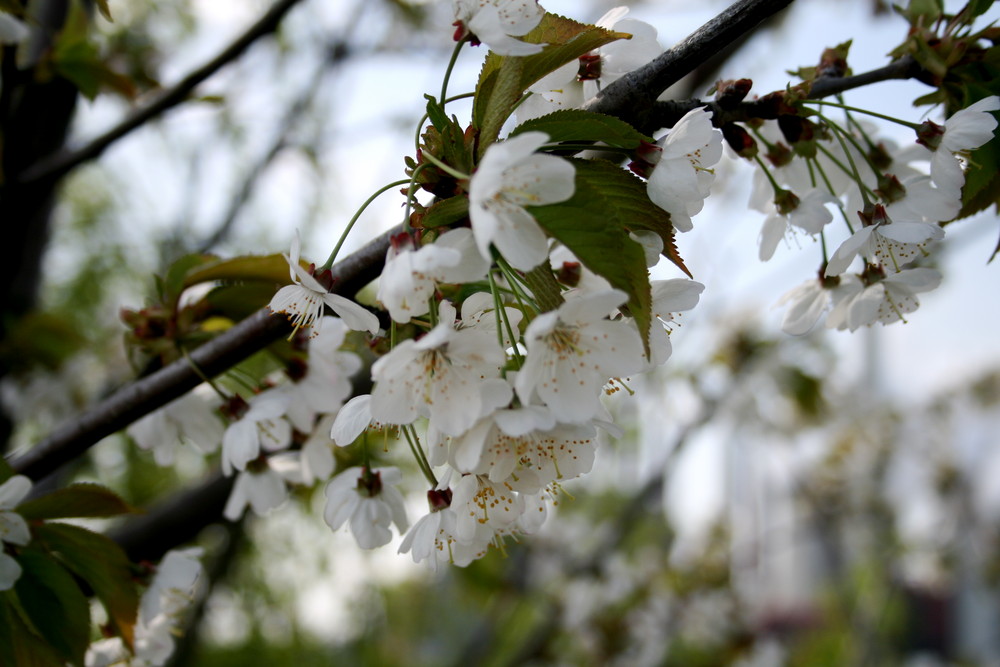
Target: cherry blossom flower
x=573 y=351
x=895 y=244
x=966 y=129
x=806 y=303
x=260 y=486
x=303 y=301
x=410 y=276
x=669 y=297
x=809 y=214
x=510 y=177
x=450 y=375
x=261 y=426
x=496 y=23
x=369 y=501
x=13 y=527
x=168 y=596
x=432 y=539
x=683 y=177
x=888 y=300
x=189 y=418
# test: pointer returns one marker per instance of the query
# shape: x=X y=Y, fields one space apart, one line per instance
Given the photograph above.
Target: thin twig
x=58 y=166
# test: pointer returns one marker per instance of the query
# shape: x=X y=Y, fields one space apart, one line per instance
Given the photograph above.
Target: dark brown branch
x=904 y=68
x=666 y=114
x=59 y=166
x=143 y=396
x=632 y=96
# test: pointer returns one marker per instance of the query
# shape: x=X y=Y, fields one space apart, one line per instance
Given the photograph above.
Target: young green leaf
x=566 y=40
x=595 y=223
x=75 y=501
x=54 y=604
x=102 y=564
x=19 y=645
x=584 y=126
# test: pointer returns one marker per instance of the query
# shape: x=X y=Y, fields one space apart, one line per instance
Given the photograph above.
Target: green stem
x=898 y=121
x=451 y=171
x=767 y=172
x=411 y=438
x=504 y=321
x=411 y=188
x=350 y=225
x=447 y=72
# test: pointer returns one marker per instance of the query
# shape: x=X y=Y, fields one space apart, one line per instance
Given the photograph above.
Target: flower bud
x=740 y=140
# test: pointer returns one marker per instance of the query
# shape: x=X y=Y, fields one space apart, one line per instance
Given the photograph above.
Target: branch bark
x=51 y=170
x=633 y=95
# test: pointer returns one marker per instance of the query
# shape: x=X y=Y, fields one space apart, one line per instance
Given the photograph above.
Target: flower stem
x=411 y=438
x=451 y=171
x=447 y=72
x=350 y=225
x=891 y=119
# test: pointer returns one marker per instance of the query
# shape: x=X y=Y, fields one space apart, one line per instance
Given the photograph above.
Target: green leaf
x=54 y=604
x=172 y=284
x=6 y=472
x=436 y=114
x=102 y=564
x=19 y=645
x=595 y=223
x=567 y=40
x=446 y=212
x=102 y=6
x=269 y=268
x=580 y=125
x=75 y=501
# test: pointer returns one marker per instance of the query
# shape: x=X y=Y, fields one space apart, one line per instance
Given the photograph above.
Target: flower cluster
x=161 y=609
x=896 y=207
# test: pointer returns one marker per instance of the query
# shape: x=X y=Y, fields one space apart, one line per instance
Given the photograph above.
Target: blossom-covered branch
x=143 y=396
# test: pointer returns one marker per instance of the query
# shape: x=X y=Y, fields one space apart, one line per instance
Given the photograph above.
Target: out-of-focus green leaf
x=40 y=339
x=6 y=472
x=270 y=268
x=102 y=564
x=75 y=501
x=173 y=282
x=580 y=125
x=54 y=604
x=19 y=646
x=102 y=6
x=504 y=78
x=595 y=223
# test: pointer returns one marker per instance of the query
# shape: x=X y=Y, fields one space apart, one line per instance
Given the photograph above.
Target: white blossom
x=682 y=178
x=260 y=487
x=966 y=129
x=303 y=301
x=450 y=376
x=573 y=351
x=190 y=418
x=894 y=243
x=369 y=502
x=886 y=301
x=809 y=215
x=510 y=177
x=497 y=22
x=410 y=276
x=262 y=427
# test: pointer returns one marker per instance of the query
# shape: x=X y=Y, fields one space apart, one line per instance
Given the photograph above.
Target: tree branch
x=60 y=165
x=666 y=114
x=633 y=95
x=143 y=396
